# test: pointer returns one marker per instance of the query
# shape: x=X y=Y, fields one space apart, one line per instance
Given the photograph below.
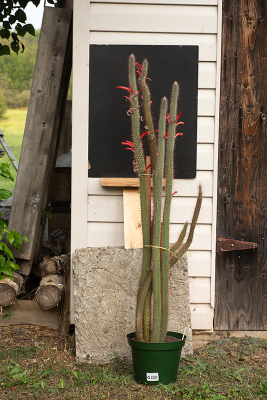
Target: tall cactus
x=158 y=257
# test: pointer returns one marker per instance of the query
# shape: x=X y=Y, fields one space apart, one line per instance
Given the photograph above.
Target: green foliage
x=3 y=104
x=13 y=25
x=16 y=74
x=7 y=266
x=152 y=316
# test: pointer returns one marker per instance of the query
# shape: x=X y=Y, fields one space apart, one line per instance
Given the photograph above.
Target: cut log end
x=49 y=293
x=10 y=289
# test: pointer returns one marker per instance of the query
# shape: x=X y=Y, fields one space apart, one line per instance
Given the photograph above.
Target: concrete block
x=105 y=282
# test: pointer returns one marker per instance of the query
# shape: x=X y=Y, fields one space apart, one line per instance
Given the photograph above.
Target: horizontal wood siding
x=166 y=22
x=153 y=18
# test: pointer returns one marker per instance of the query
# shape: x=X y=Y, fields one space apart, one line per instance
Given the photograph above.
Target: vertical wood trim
x=215 y=160
x=80 y=93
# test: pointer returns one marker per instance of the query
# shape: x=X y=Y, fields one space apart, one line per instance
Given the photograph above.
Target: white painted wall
x=97 y=212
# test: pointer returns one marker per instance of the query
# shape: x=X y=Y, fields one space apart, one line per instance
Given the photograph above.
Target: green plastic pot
x=156 y=363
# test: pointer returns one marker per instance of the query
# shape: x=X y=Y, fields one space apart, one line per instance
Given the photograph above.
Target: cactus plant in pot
x=156 y=352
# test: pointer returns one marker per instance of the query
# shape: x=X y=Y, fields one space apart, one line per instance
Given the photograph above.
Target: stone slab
x=105 y=283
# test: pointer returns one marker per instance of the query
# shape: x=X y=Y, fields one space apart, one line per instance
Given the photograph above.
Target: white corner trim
x=215 y=161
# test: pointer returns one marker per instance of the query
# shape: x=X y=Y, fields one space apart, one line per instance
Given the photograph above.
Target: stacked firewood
x=51 y=269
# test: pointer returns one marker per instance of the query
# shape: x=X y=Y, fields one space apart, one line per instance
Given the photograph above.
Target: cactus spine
x=151 y=324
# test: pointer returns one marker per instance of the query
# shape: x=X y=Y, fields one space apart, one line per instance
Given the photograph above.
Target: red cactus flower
x=166 y=134
x=174 y=193
x=178 y=116
x=139 y=66
x=143 y=134
x=128 y=143
x=139 y=73
x=179 y=134
x=132 y=110
x=126 y=88
x=179 y=123
x=148 y=167
x=129 y=148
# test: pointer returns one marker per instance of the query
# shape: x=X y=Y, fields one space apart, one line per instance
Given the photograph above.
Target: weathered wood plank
x=241 y=283
x=40 y=141
x=153 y=18
x=189 y=2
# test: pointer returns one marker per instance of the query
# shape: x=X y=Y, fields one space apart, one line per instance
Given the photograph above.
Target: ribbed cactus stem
x=148 y=114
x=166 y=212
x=139 y=155
x=157 y=192
x=187 y=244
x=176 y=245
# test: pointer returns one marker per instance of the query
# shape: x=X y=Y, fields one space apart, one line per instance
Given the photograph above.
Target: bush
x=3 y=104
x=18 y=100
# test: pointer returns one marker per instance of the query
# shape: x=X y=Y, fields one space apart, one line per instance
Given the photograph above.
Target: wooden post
x=41 y=137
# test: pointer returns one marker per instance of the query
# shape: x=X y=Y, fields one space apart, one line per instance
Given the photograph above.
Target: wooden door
x=241 y=282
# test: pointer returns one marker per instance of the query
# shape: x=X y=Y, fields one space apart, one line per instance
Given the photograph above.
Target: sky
x=35 y=14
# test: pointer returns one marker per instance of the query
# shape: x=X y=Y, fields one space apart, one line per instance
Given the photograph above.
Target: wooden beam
x=123 y=182
x=41 y=136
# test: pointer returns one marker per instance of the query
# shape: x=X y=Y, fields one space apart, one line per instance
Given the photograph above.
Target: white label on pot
x=152 y=376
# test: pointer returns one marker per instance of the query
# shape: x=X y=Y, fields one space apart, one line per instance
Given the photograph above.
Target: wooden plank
x=205 y=129
x=52 y=70
x=201 y=316
x=153 y=18
x=199 y=290
x=206 y=43
x=123 y=182
x=132 y=219
x=185 y=187
x=199 y=263
x=27 y=312
x=241 y=284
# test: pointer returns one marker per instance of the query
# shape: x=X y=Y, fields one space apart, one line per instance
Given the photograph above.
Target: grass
x=12 y=126
x=37 y=363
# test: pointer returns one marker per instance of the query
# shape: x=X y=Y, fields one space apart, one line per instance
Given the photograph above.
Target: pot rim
x=157 y=346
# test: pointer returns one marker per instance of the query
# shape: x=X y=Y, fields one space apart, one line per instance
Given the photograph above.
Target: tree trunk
x=49 y=293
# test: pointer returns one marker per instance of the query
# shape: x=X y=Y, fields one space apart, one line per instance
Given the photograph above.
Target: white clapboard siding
x=182 y=209
x=184 y=187
x=199 y=290
x=202 y=236
x=102 y=234
x=206 y=43
x=206 y=75
x=206 y=102
x=153 y=18
x=205 y=129
x=205 y=156
x=110 y=209
x=201 y=316
x=111 y=234
x=199 y=263
x=190 y=2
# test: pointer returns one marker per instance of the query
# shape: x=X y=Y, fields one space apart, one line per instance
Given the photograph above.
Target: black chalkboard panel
x=109 y=124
